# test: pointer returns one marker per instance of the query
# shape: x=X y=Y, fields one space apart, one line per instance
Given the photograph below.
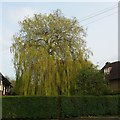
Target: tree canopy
x=90 y=81
x=49 y=50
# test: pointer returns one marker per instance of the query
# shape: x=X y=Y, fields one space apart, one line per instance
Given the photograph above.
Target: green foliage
x=48 y=107
x=13 y=83
x=29 y=107
x=90 y=106
x=48 y=53
x=91 y=81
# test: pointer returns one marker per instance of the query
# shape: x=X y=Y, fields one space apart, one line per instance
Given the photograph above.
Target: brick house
x=5 y=85
x=112 y=75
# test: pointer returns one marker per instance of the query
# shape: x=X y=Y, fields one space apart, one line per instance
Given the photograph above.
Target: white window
x=107 y=70
x=1 y=87
x=1 y=82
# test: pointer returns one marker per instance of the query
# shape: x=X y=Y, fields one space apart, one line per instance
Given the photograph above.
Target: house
x=5 y=85
x=112 y=75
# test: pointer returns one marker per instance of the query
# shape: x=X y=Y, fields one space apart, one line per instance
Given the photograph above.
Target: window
x=107 y=70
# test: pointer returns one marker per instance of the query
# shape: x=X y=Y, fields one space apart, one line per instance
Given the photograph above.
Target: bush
x=90 y=106
x=29 y=107
x=56 y=107
x=90 y=81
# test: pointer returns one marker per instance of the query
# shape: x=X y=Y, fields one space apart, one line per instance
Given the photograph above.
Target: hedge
x=29 y=107
x=90 y=106
x=56 y=107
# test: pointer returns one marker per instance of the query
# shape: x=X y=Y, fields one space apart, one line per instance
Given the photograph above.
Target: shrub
x=90 y=81
x=29 y=107
x=63 y=106
x=90 y=106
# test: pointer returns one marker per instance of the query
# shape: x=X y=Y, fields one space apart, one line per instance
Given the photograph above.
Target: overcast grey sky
x=102 y=33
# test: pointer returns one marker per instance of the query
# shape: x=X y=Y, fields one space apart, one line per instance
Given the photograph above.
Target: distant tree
x=91 y=81
x=48 y=52
x=13 y=83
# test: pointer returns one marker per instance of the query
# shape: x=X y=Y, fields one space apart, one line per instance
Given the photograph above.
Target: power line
x=98 y=11
x=83 y=25
x=100 y=19
x=97 y=14
x=91 y=16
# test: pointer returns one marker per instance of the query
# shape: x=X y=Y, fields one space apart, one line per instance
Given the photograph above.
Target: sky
x=102 y=29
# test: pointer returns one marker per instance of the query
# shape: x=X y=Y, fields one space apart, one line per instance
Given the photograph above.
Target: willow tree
x=49 y=50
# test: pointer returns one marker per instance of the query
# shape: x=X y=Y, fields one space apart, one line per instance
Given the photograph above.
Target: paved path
x=95 y=118
x=78 y=118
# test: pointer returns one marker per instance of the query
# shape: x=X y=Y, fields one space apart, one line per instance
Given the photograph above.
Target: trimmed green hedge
x=90 y=106
x=55 y=107
x=29 y=107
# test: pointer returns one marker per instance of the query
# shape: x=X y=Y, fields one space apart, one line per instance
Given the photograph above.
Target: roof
x=114 y=72
x=4 y=79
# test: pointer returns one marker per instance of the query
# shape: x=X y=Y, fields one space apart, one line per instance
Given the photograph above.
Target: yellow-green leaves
x=48 y=53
